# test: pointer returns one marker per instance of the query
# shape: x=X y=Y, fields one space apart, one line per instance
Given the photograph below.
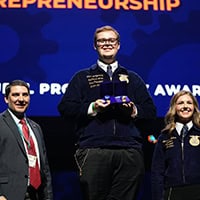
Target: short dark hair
x=14 y=83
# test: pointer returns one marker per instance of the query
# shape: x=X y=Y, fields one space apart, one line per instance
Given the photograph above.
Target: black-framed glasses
x=103 y=41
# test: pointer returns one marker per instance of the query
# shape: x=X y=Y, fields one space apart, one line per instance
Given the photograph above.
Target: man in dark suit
x=20 y=156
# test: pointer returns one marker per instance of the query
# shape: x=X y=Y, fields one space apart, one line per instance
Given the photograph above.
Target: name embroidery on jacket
x=95 y=80
x=169 y=143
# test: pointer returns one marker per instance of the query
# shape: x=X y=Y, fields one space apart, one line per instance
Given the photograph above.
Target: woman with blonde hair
x=176 y=162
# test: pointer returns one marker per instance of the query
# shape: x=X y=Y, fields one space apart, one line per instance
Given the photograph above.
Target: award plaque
x=115 y=92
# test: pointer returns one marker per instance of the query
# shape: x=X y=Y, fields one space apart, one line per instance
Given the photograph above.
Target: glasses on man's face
x=103 y=41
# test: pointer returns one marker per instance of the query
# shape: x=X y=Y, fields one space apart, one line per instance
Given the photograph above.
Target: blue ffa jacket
x=112 y=127
x=175 y=162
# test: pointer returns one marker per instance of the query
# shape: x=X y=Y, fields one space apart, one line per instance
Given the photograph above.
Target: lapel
x=14 y=129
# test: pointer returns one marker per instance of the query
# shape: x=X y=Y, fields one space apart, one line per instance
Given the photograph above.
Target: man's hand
x=100 y=105
x=128 y=109
x=2 y=198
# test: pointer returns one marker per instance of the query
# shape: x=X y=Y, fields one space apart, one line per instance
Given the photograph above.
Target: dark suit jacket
x=14 y=161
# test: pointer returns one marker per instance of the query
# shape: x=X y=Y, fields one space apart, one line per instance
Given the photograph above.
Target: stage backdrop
x=45 y=42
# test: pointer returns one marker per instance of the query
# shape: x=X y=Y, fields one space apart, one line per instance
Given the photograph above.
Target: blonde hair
x=171 y=115
x=106 y=28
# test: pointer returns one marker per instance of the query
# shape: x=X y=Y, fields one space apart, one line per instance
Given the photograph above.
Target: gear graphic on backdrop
x=180 y=33
x=150 y=46
x=32 y=44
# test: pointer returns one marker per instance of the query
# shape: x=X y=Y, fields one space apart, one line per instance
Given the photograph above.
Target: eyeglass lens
x=103 y=41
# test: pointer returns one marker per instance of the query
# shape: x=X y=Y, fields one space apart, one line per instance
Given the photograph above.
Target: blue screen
x=46 y=42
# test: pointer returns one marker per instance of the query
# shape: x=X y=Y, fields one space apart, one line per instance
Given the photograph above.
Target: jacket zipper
x=114 y=127
x=182 y=151
x=170 y=193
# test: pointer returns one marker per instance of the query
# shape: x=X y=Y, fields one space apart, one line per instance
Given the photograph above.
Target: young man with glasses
x=105 y=108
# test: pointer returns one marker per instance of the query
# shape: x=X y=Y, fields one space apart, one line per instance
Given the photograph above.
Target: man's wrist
x=134 y=112
x=93 y=107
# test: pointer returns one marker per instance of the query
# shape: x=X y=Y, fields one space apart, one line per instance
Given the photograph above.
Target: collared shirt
x=179 y=126
x=104 y=66
x=17 y=121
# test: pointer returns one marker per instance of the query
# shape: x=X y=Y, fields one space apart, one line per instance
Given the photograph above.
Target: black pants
x=110 y=174
x=190 y=192
x=31 y=194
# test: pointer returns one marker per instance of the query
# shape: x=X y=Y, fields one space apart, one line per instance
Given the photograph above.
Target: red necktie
x=34 y=172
